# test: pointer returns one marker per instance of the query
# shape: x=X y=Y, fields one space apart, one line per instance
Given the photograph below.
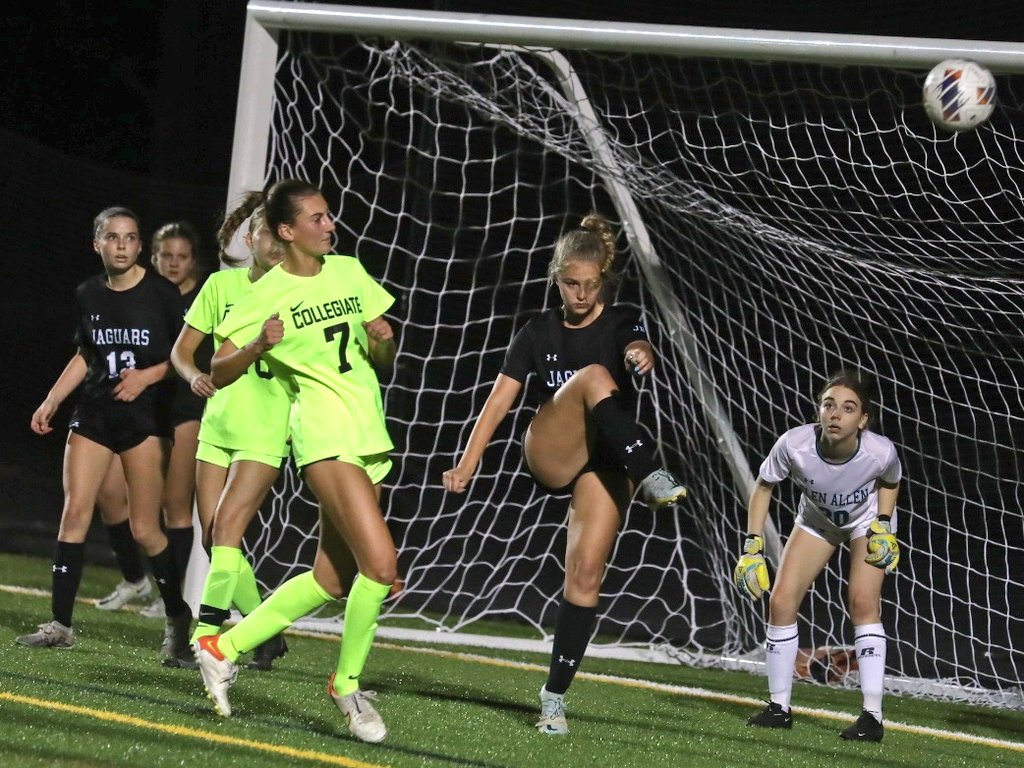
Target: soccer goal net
x=785 y=209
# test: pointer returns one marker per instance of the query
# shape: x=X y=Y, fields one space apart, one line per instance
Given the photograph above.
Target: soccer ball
x=959 y=94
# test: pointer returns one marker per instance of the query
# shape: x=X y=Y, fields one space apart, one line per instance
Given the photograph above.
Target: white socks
x=869 y=642
x=780 y=647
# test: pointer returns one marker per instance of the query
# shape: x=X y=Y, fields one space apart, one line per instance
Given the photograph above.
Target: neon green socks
x=230 y=580
x=247 y=592
x=361 y=612
x=218 y=589
x=291 y=601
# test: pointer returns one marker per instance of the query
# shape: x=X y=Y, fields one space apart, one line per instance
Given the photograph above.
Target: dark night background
x=133 y=103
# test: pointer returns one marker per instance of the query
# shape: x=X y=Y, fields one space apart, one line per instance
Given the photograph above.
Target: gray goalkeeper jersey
x=837 y=500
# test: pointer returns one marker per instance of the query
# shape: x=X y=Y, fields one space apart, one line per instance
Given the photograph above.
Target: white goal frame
x=265 y=19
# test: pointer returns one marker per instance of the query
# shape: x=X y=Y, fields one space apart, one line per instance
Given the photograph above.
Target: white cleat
x=219 y=674
x=154 y=610
x=52 y=634
x=364 y=722
x=552 y=714
x=124 y=593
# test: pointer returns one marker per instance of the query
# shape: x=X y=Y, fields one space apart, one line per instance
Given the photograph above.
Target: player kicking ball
x=584 y=437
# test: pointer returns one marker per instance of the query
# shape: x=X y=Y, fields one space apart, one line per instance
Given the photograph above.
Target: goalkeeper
x=849 y=479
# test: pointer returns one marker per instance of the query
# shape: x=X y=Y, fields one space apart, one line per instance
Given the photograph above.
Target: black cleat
x=772 y=716
x=265 y=653
x=175 y=650
x=865 y=729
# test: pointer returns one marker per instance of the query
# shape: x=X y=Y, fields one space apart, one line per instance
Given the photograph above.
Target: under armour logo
x=633 y=446
x=60 y=569
x=769 y=647
x=94 y=318
x=549 y=358
x=866 y=652
x=563 y=660
x=161 y=581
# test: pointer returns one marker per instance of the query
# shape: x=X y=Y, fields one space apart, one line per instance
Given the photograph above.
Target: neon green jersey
x=323 y=360
x=252 y=413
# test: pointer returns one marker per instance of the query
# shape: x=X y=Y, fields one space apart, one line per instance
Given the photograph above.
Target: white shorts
x=821 y=526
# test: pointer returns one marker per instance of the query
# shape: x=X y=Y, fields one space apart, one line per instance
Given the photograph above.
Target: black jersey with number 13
x=116 y=330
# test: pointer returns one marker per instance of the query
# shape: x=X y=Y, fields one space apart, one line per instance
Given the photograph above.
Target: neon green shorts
x=225 y=457
x=376 y=465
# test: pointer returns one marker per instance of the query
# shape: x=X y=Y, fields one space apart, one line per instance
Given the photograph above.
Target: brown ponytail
x=232 y=222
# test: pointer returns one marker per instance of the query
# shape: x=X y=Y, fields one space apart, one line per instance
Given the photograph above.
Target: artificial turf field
x=108 y=702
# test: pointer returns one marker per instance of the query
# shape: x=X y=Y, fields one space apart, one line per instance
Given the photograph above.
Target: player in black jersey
x=582 y=437
x=126 y=320
x=175 y=254
x=176 y=257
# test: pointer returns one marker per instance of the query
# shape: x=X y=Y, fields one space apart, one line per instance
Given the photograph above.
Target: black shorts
x=119 y=426
x=187 y=406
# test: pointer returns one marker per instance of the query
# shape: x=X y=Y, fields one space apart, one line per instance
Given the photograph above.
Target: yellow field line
x=679 y=690
x=191 y=733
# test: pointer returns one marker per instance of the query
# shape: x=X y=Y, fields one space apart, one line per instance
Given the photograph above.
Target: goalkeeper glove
x=883 y=549
x=751 y=574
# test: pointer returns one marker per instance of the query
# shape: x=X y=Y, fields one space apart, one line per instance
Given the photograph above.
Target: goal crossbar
x=264 y=19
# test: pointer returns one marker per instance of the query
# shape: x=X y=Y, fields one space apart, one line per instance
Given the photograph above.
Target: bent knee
x=865 y=609
x=148 y=535
x=383 y=570
x=383 y=576
x=594 y=373
x=74 y=522
x=782 y=609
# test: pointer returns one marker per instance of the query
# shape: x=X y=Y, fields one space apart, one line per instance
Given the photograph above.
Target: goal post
x=785 y=208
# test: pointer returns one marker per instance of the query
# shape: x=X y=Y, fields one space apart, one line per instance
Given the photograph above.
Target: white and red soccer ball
x=959 y=94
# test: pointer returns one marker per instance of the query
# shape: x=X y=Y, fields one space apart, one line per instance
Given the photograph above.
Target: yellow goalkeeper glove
x=751 y=574
x=883 y=549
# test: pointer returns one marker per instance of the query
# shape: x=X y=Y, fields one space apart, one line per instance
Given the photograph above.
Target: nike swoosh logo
x=296 y=307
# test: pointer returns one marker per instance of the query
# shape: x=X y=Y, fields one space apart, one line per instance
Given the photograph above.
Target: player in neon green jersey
x=317 y=321
x=238 y=458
